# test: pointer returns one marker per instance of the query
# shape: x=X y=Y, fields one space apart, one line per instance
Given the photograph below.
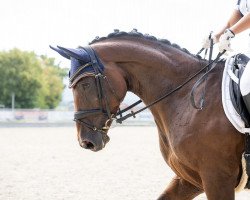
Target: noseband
x=104 y=109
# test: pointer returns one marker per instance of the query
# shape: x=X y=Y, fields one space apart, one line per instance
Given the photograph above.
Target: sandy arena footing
x=47 y=163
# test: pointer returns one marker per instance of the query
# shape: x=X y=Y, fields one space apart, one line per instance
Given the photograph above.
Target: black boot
x=247 y=158
x=248 y=184
x=247 y=101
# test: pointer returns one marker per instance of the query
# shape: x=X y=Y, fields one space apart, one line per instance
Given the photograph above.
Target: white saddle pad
x=229 y=109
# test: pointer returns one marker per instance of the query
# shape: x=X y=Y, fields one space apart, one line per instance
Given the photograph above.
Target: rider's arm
x=241 y=25
x=233 y=21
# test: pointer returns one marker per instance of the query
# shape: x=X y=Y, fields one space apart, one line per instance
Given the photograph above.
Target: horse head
x=97 y=95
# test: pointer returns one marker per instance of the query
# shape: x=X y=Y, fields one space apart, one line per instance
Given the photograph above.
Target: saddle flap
x=240 y=61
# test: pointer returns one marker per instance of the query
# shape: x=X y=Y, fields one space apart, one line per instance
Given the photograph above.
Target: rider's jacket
x=243 y=6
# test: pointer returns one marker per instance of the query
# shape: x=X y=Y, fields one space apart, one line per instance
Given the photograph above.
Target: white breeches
x=245 y=81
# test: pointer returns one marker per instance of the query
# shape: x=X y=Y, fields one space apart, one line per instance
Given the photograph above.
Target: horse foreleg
x=219 y=187
x=180 y=189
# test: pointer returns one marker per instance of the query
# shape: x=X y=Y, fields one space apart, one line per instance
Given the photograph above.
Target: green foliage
x=36 y=80
x=53 y=82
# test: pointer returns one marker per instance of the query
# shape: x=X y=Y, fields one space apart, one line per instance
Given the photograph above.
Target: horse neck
x=148 y=70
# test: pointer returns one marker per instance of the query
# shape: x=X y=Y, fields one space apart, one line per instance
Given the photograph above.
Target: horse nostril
x=87 y=144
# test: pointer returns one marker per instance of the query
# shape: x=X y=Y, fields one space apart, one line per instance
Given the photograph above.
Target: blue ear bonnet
x=82 y=59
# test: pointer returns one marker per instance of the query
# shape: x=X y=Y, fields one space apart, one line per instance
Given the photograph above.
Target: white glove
x=224 y=41
x=206 y=43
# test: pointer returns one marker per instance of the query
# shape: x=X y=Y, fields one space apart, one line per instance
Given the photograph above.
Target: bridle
x=104 y=107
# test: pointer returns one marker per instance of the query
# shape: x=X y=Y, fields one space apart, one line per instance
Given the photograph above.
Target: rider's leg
x=245 y=86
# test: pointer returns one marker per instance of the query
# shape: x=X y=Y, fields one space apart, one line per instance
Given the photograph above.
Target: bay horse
x=200 y=146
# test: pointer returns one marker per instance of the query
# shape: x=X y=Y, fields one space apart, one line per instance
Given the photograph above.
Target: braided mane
x=135 y=33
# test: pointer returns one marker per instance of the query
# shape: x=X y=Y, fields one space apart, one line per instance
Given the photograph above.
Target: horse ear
x=79 y=54
x=61 y=52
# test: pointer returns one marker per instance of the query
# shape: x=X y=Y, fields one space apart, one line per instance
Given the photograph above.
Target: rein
x=202 y=98
x=99 y=77
x=132 y=114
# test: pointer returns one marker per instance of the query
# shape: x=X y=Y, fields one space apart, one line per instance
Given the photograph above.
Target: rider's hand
x=206 y=43
x=224 y=41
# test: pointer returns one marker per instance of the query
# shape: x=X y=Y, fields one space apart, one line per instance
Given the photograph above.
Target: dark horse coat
x=201 y=146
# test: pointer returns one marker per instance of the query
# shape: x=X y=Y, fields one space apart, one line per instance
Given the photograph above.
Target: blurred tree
x=35 y=80
x=53 y=82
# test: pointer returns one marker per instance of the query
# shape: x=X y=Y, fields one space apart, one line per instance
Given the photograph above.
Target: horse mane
x=135 y=33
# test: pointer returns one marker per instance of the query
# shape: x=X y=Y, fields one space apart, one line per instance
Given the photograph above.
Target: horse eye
x=85 y=85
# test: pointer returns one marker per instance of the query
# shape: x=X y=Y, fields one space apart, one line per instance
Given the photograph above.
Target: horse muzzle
x=94 y=141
